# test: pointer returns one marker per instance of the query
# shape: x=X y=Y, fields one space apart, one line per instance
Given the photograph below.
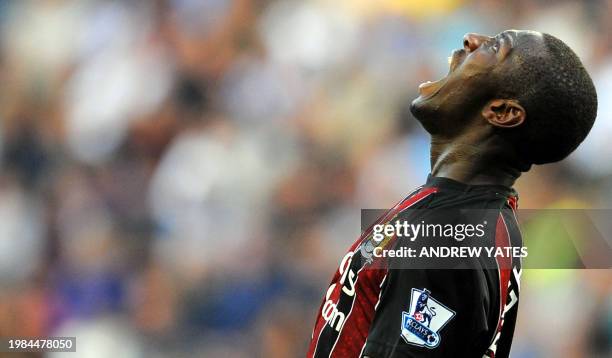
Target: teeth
x=450 y=59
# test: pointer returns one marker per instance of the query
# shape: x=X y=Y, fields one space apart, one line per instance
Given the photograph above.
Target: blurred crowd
x=180 y=177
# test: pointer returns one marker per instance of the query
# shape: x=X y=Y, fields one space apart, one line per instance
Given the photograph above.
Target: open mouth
x=429 y=88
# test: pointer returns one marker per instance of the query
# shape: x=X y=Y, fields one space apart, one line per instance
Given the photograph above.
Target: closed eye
x=495 y=46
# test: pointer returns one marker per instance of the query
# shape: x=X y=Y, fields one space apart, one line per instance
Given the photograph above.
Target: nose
x=472 y=41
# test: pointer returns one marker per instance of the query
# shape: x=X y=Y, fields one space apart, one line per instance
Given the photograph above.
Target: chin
x=416 y=106
x=424 y=113
x=435 y=117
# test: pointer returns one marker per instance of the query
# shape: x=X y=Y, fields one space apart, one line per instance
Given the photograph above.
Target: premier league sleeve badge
x=424 y=320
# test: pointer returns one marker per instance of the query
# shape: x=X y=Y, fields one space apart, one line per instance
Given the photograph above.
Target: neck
x=478 y=157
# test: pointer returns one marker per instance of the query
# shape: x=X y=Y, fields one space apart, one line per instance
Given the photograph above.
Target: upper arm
x=430 y=313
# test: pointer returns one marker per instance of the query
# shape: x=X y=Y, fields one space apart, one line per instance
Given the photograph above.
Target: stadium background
x=180 y=178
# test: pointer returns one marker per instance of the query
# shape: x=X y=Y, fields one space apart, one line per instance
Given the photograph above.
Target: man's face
x=475 y=77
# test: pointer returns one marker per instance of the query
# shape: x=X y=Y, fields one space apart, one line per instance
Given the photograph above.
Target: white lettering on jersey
x=330 y=311
x=513 y=300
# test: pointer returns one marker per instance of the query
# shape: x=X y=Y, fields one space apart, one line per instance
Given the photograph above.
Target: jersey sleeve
x=431 y=313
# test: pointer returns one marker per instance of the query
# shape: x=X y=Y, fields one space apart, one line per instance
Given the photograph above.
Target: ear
x=504 y=113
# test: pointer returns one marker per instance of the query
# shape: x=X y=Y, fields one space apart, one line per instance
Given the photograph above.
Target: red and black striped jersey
x=385 y=310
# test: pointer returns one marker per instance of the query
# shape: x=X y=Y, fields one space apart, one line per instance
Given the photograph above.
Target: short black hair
x=559 y=99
